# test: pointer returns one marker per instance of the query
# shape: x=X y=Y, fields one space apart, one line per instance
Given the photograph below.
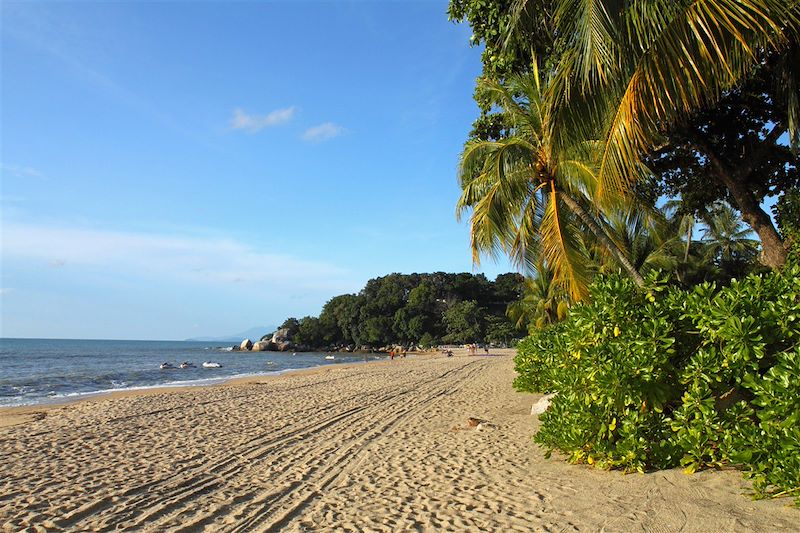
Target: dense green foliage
x=702 y=92
x=734 y=152
x=414 y=309
x=590 y=112
x=653 y=379
x=787 y=214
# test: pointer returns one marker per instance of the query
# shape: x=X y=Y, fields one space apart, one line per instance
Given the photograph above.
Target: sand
x=373 y=447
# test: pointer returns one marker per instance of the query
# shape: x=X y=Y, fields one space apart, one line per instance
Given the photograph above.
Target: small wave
x=54 y=397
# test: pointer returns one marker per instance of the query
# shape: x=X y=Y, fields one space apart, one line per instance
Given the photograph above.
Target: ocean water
x=35 y=371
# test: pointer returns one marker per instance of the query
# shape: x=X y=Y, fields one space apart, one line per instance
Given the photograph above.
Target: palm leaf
x=562 y=248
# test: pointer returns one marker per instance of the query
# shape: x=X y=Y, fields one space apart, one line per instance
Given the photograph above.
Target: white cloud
x=256 y=123
x=196 y=260
x=323 y=132
x=21 y=171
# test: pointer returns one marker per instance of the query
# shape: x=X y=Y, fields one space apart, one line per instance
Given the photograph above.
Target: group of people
x=472 y=349
x=398 y=353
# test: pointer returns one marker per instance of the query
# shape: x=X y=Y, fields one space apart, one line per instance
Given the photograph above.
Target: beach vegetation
x=622 y=158
x=698 y=378
x=464 y=321
x=535 y=197
x=787 y=215
x=543 y=302
x=704 y=93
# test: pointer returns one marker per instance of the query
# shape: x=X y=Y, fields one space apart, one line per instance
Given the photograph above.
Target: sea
x=41 y=371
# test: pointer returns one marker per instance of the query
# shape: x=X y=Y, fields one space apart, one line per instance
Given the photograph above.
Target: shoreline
x=19 y=414
x=386 y=446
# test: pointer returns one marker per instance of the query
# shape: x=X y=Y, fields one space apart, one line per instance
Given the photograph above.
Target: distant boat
x=166 y=366
x=329 y=357
x=187 y=364
x=211 y=364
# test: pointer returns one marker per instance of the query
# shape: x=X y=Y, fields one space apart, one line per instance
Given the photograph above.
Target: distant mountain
x=253 y=334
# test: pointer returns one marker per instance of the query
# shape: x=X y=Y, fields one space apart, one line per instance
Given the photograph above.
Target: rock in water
x=246 y=344
x=261 y=346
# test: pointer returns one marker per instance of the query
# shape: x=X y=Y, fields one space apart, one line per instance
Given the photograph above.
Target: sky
x=182 y=169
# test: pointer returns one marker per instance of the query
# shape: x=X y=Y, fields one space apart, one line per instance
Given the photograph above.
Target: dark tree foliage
x=735 y=152
x=787 y=215
x=465 y=322
x=291 y=325
x=418 y=309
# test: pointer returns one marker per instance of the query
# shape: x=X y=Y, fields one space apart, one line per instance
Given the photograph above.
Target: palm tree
x=646 y=238
x=530 y=198
x=543 y=302
x=727 y=240
x=630 y=69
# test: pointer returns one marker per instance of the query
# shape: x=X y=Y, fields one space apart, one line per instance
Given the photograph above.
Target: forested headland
x=413 y=310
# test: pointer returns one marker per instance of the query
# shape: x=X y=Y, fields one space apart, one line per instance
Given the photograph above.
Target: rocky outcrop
x=281 y=336
x=281 y=341
x=246 y=344
x=261 y=346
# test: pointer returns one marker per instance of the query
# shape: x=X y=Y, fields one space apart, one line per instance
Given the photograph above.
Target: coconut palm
x=630 y=69
x=646 y=238
x=726 y=237
x=532 y=199
x=543 y=302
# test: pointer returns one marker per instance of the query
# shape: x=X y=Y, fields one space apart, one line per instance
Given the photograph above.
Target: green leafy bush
x=655 y=379
x=787 y=216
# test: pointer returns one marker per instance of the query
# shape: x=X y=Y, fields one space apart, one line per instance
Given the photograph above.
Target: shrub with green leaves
x=787 y=216
x=658 y=378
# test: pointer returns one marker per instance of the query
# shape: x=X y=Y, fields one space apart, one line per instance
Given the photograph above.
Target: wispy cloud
x=37 y=25
x=20 y=171
x=323 y=132
x=255 y=123
x=202 y=260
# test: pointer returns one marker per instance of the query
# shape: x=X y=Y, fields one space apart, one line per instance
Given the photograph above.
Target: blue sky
x=176 y=169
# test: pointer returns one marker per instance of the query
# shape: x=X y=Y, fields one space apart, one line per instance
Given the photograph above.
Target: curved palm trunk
x=601 y=236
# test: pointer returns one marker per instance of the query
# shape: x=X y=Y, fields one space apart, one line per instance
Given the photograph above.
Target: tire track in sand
x=158 y=502
x=348 y=457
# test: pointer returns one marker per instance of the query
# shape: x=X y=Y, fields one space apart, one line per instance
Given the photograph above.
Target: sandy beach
x=373 y=447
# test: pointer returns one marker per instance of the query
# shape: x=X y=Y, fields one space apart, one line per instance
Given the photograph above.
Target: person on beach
x=391 y=355
x=486 y=350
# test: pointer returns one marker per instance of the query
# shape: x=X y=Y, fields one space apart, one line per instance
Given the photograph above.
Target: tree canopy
x=414 y=309
x=644 y=79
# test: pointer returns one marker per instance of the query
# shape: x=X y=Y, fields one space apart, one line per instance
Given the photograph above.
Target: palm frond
x=562 y=248
x=677 y=56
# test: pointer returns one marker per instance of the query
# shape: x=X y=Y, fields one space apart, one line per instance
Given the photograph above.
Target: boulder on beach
x=246 y=344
